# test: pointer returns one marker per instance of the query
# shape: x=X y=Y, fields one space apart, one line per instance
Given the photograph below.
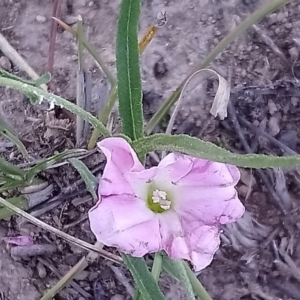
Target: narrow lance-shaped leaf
x=206 y=150
x=41 y=166
x=177 y=269
x=87 y=176
x=37 y=94
x=9 y=169
x=128 y=70
x=10 y=134
x=45 y=78
x=144 y=280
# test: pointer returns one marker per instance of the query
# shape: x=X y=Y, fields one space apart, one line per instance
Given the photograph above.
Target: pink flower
x=177 y=206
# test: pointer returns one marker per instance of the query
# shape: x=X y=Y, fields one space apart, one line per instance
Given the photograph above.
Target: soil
x=252 y=262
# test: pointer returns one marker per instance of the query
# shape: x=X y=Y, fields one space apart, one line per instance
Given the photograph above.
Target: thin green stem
x=198 y=288
x=103 y=116
x=80 y=99
x=80 y=43
x=91 y=50
x=156 y=267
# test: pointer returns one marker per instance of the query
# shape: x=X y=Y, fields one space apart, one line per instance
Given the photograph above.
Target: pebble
x=70 y=20
x=273 y=18
x=289 y=138
x=277 y=30
x=272 y=107
x=5 y=63
x=204 y=17
x=294 y=101
x=41 y=19
x=280 y=16
x=74 y=57
x=41 y=270
x=294 y=53
x=117 y=297
x=288 y=25
x=273 y=126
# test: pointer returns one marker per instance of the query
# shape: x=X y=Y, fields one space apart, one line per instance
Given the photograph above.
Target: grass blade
x=8 y=168
x=90 y=49
x=206 y=150
x=128 y=70
x=43 y=165
x=10 y=134
x=143 y=278
x=87 y=176
x=36 y=93
x=176 y=268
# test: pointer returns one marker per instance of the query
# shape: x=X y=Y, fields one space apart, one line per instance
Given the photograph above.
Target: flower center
x=158 y=201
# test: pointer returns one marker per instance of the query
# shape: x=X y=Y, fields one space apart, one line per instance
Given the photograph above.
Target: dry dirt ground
x=260 y=256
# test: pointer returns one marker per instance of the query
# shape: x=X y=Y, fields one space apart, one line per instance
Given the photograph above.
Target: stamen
x=160 y=197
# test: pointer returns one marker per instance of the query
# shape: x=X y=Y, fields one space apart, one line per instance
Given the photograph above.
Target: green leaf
x=7 y=131
x=41 y=94
x=87 y=176
x=41 y=166
x=20 y=202
x=143 y=278
x=206 y=150
x=176 y=269
x=8 y=168
x=45 y=78
x=128 y=70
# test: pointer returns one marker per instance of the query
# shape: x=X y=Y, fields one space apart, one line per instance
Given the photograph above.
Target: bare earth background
x=247 y=266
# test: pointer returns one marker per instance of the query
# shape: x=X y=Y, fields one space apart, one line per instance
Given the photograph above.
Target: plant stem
x=198 y=288
x=103 y=116
x=113 y=97
x=91 y=50
x=156 y=268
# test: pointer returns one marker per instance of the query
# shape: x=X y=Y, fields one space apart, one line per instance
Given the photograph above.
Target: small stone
x=41 y=270
x=5 y=63
x=288 y=25
x=74 y=57
x=272 y=107
x=91 y=3
x=280 y=16
x=204 y=17
x=117 y=297
x=294 y=101
x=277 y=30
x=273 y=18
x=71 y=20
x=41 y=19
x=289 y=138
x=218 y=33
x=294 y=53
x=273 y=126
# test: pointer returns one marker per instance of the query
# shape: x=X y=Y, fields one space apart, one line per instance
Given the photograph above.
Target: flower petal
x=210 y=206
x=121 y=159
x=124 y=221
x=123 y=173
x=189 y=240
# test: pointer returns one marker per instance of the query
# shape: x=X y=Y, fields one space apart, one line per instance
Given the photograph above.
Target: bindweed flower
x=177 y=206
